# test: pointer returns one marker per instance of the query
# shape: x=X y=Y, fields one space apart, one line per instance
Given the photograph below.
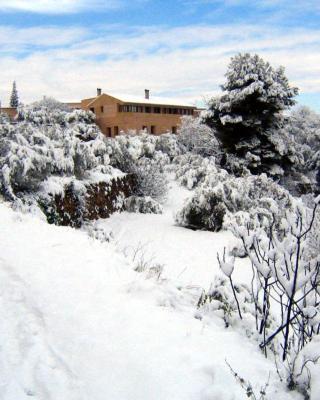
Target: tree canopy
x=253 y=96
x=248 y=116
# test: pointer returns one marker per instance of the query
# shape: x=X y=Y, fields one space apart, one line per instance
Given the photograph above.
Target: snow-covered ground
x=79 y=323
x=188 y=256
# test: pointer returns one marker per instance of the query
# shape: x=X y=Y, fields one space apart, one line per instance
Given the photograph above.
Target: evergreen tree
x=14 y=99
x=247 y=117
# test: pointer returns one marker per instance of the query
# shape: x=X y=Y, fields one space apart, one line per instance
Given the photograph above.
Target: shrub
x=192 y=169
x=34 y=149
x=137 y=155
x=150 y=181
x=221 y=198
x=144 y=205
x=168 y=144
x=285 y=283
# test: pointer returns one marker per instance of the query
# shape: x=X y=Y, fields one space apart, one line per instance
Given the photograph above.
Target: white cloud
x=302 y=5
x=187 y=61
x=56 y=6
x=15 y=40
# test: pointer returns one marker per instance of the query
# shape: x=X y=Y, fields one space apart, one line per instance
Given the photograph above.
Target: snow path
x=23 y=334
x=78 y=323
x=188 y=256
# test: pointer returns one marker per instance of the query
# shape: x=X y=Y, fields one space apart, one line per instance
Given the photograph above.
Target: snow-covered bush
x=144 y=205
x=4 y=118
x=219 y=301
x=97 y=232
x=53 y=113
x=34 y=149
x=150 y=181
x=303 y=125
x=222 y=197
x=137 y=155
x=192 y=169
x=196 y=137
x=168 y=144
x=285 y=283
x=205 y=210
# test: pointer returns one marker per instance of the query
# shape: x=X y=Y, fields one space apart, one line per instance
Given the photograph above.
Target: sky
x=181 y=49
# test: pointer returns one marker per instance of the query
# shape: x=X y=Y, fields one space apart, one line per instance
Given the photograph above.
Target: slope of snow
x=79 y=323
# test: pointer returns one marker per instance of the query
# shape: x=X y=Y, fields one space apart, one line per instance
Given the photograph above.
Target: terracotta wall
x=153 y=123
x=10 y=111
x=112 y=122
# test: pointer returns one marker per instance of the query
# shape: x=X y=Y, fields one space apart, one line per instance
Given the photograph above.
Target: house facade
x=115 y=114
x=11 y=112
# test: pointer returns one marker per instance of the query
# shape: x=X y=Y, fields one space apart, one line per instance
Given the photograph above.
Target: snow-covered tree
x=197 y=137
x=248 y=112
x=14 y=98
x=50 y=103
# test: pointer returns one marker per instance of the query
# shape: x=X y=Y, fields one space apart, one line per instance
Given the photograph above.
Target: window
x=157 y=110
x=130 y=108
x=127 y=108
x=101 y=109
x=116 y=130
x=144 y=128
x=92 y=109
x=174 y=129
x=153 y=130
x=148 y=109
x=109 y=132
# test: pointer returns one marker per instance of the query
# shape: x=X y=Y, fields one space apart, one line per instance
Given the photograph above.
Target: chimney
x=98 y=92
x=146 y=94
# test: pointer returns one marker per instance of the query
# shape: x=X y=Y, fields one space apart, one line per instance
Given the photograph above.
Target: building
x=123 y=113
x=10 y=111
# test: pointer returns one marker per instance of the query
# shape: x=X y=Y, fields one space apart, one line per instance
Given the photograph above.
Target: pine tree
x=14 y=99
x=253 y=96
x=248 y=115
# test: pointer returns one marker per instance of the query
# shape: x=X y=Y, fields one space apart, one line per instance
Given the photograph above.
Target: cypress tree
x=14 y=99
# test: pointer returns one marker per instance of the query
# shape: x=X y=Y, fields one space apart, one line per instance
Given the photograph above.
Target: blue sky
x=67 y=48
